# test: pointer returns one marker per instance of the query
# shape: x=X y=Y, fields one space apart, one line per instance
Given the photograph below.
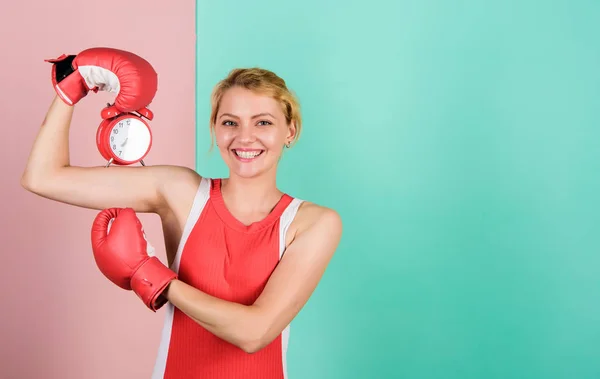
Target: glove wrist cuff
x=149 y=282
x=72 y=88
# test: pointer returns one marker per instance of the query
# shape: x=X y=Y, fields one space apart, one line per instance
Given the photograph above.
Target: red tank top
x=223 y=257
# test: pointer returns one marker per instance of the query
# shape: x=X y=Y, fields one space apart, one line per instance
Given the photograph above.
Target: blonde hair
x=263 y=82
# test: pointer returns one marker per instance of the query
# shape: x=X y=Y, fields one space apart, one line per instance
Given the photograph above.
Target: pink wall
x=60 y=317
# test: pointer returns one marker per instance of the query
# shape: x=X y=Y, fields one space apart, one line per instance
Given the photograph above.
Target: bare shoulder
x=177 y=188
x=312 y=214
x=178 y=176
x=314 y=221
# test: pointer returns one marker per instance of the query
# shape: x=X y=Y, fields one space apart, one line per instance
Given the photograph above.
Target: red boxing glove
x=120 y=251
x=105 y=69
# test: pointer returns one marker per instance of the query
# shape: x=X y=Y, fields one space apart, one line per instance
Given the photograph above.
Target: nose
x=246 y=134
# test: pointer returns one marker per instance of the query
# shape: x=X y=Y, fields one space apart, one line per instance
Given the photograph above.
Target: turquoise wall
x=459 y=140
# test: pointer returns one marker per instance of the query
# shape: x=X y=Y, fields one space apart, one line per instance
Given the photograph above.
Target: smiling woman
x=254 y=254
x=243 y=256
x=251 y=143
x=254 y=109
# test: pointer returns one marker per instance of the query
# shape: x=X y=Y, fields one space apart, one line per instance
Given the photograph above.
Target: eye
x=265 y=122
x=228 y=123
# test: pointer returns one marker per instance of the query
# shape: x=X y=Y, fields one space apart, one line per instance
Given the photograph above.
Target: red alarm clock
x=124 y=138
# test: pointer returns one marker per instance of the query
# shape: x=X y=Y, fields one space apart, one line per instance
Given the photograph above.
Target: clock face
x=129 y=139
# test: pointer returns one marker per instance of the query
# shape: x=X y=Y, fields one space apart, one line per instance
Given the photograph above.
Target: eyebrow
x=255 y=116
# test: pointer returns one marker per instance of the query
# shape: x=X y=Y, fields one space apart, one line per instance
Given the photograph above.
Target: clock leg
x=142 y=162
x=109 y=162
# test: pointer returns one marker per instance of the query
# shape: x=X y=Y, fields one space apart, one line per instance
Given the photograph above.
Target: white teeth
x=247 y=154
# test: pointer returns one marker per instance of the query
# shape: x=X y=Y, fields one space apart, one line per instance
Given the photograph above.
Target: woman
x=247 y=256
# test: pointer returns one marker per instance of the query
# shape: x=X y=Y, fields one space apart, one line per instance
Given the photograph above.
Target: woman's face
x=251 y=131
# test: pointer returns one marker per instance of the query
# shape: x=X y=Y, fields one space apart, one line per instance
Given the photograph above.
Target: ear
x=291 y=131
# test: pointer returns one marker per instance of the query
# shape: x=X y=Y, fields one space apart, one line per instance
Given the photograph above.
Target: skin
x=250 y=193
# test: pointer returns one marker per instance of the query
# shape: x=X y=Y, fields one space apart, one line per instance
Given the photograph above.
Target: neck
x=251 y=194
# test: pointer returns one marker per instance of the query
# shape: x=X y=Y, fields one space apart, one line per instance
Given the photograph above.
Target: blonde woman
x=243 y=256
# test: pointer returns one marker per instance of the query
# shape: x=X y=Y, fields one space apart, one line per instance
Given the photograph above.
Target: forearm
x=50 y=151
x=236 y=323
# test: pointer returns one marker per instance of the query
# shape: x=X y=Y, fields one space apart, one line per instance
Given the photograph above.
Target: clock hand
x=124 y=142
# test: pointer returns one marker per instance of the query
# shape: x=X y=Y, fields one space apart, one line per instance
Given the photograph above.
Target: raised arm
x=49 y=173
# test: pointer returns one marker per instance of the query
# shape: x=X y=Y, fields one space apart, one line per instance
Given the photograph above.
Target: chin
x=251 y=168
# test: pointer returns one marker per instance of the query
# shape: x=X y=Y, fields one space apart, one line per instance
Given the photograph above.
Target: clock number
x=114 y=147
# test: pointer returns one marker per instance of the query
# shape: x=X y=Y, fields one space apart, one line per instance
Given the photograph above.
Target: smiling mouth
x=247 y=154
